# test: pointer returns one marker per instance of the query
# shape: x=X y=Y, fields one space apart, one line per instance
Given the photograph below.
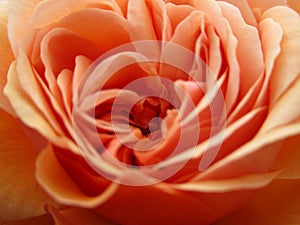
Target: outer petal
x=289 y=158
x=19 y=14
x=26 y=15
x=6 y=56
x=57 y=182
x=245 y=10
x=277 y=204
x=44 y=219
x=287 y=65
x=77 y=216
x=123 y=203
x=249 y=50
x=155 y=204
x=294 y=4
x=264 y=5
x=285 y=110
x=20 y=195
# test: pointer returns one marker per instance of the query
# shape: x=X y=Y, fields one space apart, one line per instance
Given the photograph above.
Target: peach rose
x=150 y=112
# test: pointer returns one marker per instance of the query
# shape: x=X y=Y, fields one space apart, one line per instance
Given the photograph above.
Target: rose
x=262 y=127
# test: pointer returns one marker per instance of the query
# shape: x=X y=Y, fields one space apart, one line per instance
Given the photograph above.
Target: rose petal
x=6 y=56
x=214 y=14
x=245 y=10
x=141 y=28
x=52 y=11
x=20 y=195
x=155 y=204
x=177 y=13
x=30 y=114
x=19 y=14
x=264 y=5
x=188 y=30
x=253 y=181
x=77 y=216
x=271 y=36
x=277 y=204
x=294 y=4
x=249 y=50
x=256 y=156
x=38 y=220
x=111 y=27
x=288 y=158
x=285 y=110
x=287 y=65
x=58 y=184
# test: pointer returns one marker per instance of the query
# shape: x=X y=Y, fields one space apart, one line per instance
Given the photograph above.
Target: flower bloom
x=149 y=111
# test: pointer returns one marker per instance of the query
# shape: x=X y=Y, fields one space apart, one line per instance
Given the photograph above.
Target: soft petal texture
x=77 y=216
x=44 y=219
x=294 y=4
x=262 y=152
x=6 y=56
x=150 y=204
x=37 y=14
x=31 y=115
x=57 y=182
x=277 y=204
x=264 y=5
x=20 y=195
x=289 y=157
x=286 y=110
x=249 y=50
x=286 y=67
x=245 y=10
x=21 y=11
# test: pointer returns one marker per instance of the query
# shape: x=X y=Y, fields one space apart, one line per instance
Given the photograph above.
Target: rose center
x=146 y=114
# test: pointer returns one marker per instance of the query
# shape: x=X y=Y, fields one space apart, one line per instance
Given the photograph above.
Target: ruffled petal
x=59 y=184
x=287 y=65
x=6 y=56
x=249 y=50
x=19 y=14
x=245 y=10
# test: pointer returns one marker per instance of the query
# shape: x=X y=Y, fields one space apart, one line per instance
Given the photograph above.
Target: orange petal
x=286 y=110
x=19 y=14
x=245 y=10
x=154 y=204
x=256 y=156
x=249 y=50
x=6 y=56
x=20 y=194
x=294 y=4
x=288 y=158
x=52 y=11
x=277 y=204
x=44 y=219
x=264 y=5
x=28 y=111
x=58 y=183
x=214 y=14
x=253 y=181
x=141 y=28
x=287 y=65
x=111 y=27
x=271 y=36
x=77 y=216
